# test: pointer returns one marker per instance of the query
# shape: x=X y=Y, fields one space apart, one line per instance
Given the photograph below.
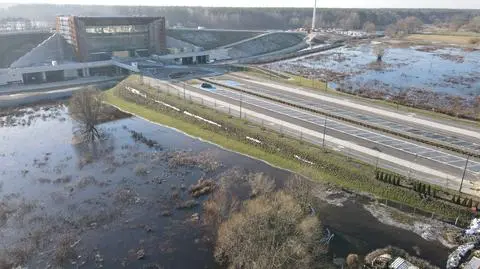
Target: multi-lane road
x=403 y=153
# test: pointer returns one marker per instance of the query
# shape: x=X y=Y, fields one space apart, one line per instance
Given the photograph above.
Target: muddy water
x=112 y=209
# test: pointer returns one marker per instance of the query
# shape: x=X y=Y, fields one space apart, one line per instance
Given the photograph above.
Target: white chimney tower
x=314 y=16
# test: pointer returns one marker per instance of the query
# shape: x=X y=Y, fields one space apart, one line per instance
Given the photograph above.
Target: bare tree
x=353 y=21
x=457 y=21
x=380 y=51
x=261 y=183
x=474 y=24
x=476 y=107
x=412 y=24
x=369 y=27
x=271 y=231
x=86 y=107
x=353 y=262
x=221 y=205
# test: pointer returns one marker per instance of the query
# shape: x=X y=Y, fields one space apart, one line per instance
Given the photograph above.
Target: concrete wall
x=55 y=48
x=100 y=43
x=8 y=76
x=181 y=46
x=70 y=73
x=13 y=46
x=210 y=39
x=264 y=44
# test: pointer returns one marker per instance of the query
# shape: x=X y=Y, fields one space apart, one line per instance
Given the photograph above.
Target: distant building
x=100 y=38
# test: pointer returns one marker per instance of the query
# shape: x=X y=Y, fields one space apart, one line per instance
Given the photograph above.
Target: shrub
x=353 y=262
x=141 y=169
x=245 y=239
x=474 y=40
x=260 y=184
x=470 y=202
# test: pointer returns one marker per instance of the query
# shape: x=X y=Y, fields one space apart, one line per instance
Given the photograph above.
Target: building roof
x=105 y=21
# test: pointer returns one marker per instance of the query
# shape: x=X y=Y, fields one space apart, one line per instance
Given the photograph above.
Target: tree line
x=251 y=18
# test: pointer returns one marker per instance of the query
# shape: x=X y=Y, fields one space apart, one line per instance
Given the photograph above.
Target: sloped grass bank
x=329 y=167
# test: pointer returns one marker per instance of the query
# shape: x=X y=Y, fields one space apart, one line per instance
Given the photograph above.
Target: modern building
x=100 y=38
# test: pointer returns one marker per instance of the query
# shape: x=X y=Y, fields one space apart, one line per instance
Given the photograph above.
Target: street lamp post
x=324 y=131
x=241 y=100
x=464 y=173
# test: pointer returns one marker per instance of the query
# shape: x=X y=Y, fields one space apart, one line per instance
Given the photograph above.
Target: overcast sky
x=460 y=4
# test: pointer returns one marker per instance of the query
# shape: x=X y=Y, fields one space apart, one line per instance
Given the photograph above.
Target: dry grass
x=261 y=184
x=64 y=250
x=141 y=170
x=271 y=231
x=474 y=40
x=219 y=207
x=450 y=39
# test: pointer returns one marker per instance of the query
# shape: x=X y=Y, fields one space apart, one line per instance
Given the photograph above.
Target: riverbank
x=328 y=167
x=123 y=198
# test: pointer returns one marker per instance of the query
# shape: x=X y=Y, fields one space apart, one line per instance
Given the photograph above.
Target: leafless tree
x=219 y=207
x=474 y=24
x=380 y=51
x=369 y=27
x=353 y=262
x=86 y=107
x=271 y=231
x=260 y=184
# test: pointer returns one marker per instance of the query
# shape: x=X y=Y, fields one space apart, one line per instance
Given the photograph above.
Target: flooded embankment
x=124 y=201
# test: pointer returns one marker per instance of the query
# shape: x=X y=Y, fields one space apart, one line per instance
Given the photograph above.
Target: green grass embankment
x=330 y=167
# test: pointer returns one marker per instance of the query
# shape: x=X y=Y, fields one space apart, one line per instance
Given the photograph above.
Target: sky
x=455 y=4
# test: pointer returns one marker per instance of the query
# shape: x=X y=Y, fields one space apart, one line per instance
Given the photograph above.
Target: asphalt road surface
x=348 y=110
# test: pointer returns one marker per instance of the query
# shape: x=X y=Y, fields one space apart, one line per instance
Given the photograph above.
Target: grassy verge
x=194 y=130
x=330 y=167
x=445 y=38
x=318 y=85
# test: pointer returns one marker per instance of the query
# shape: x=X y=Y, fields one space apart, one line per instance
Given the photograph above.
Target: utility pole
x=241 y=99
x=464 y=173
x=324 y=131
x=314 y=16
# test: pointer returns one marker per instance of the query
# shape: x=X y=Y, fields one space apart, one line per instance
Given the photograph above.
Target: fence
x=180 y=89
x=459 y=222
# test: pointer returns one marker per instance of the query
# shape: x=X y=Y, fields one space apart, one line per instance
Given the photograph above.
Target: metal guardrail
x=284 y=130
x=349 y=120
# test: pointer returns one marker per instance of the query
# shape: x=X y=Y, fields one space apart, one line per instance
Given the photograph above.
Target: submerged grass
x=330 y=167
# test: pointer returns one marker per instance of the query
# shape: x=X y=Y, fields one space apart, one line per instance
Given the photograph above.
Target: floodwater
x=439 y=69
x=111 y=209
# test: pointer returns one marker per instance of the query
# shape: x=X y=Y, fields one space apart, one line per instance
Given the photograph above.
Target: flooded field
x=447 y=70
x=126 y=201
x=423 y=76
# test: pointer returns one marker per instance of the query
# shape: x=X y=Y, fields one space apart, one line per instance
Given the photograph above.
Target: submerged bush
x=271 y=231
